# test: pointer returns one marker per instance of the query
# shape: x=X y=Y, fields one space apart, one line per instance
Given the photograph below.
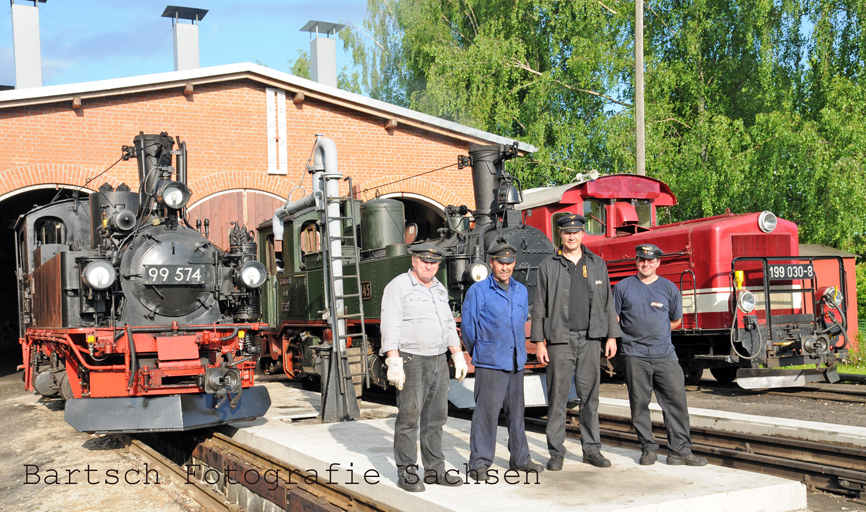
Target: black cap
x=427 y=252
x=502 y=252
x=648 y=251
x=571 y=223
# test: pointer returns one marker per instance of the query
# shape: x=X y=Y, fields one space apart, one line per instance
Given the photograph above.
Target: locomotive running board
x=758 y=378
x=162 y=413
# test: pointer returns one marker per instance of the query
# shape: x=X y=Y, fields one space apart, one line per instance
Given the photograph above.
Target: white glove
x=460 y=368
x=396 y=375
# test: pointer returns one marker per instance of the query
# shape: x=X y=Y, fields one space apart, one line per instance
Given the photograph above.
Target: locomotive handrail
x=694 y=292
x=65 y=340
x=765 y=261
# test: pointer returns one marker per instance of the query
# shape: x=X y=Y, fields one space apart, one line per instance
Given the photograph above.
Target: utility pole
x=640 y=157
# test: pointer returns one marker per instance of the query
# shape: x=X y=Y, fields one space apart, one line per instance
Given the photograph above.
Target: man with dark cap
x=649 y=306
x=417 y=330
x=573 y=316
x=493 y=329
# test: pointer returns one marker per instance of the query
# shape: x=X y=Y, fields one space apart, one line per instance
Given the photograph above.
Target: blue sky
x=86 y=40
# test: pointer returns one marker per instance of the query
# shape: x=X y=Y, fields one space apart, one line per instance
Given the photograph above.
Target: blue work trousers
x=496 y=390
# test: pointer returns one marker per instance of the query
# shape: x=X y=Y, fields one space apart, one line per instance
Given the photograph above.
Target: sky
x=87 y=40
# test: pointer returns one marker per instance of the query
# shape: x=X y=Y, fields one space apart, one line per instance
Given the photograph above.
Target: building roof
x=254 y=72
x=823 y=250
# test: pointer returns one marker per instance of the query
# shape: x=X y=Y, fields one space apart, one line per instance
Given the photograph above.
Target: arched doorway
x=249 y=207
x=12 y=206
x=426 y=213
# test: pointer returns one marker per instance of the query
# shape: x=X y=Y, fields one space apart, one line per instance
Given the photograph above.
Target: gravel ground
x=35 y=434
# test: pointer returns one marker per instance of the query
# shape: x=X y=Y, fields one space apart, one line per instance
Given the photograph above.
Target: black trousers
x=496 y=390
x=666 y=379
x=422 y=402
x=578 y=361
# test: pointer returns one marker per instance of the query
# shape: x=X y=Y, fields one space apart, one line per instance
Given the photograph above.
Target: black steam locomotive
x=130 y=314
x=338 y=253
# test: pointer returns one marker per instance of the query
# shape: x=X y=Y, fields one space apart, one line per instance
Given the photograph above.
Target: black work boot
x=555 y=463
x=408 y=480
x=444 y=479
x=596 y=459
x=648 y=458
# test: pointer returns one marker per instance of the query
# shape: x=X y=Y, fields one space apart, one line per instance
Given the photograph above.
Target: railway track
x=827 y=392
x=840 y=469
x=224 y=475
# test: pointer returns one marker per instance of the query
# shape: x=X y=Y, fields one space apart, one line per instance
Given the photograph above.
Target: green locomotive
x=330 y=257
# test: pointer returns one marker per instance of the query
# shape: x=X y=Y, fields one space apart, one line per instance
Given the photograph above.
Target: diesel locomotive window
x=596 y=216
x=644 y=212
x=50 y=231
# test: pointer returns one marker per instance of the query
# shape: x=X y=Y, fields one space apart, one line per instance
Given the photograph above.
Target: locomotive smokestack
x=151 y=151
x=485 y=180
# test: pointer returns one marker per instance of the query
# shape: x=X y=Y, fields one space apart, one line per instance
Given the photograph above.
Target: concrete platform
x=751 y=424
x=353 y=450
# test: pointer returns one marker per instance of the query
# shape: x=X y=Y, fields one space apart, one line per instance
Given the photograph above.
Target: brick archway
x=216 y=182
x=419 y=186
x=71 y=176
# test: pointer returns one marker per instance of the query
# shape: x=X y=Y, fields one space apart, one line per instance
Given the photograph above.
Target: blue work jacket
x=492 y=325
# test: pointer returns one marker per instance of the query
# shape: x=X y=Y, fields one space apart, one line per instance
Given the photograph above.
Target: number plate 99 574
x=174 y=274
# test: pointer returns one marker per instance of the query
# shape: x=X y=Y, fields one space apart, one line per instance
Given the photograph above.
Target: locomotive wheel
x=65 y=386
x=724 y=375
x=692 y=376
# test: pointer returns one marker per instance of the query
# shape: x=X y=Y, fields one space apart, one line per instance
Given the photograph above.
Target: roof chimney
x=25 y=45
x=323 y=51
x=185 y=36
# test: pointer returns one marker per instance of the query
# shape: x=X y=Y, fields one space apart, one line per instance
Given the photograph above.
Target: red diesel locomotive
x=751 y=304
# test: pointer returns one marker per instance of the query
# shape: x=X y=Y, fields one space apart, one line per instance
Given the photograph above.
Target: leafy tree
x=750 y=104
x=300 y=67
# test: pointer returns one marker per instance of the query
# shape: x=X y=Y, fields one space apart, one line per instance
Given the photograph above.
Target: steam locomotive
x=130 y=314
x=332 y=256
x=751 y=303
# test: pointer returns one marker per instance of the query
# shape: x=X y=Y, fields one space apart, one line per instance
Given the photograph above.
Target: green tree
x=346 y=81
x=750 y=104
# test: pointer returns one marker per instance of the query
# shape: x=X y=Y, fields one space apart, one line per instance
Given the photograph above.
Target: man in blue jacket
x=494 y=315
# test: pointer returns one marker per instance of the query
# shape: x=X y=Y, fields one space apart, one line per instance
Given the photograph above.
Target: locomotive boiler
x=130 y=314
x=751 y=303
x=337 y=253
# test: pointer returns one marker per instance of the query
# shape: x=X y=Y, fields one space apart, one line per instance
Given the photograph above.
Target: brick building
x=249 y=132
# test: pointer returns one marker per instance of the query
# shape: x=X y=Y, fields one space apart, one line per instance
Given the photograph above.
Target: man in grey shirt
x=417 y=330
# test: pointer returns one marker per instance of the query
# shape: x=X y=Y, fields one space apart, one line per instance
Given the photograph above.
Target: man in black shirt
x=648 y=307
x=573 y=317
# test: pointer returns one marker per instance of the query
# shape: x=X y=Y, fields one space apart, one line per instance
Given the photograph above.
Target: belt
x=581 y=333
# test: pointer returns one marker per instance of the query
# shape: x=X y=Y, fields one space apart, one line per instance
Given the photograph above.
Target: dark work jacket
x=550 y=310
x=493 y=324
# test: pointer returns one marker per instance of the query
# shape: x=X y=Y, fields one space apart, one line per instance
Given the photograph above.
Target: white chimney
x=323 y=51
x=25 y=45
x=185 y=36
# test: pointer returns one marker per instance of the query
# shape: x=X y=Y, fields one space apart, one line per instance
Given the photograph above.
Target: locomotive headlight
x=746 y=301
x=477 y=272
x=99 y=275
x=767 y=222
x=173 y=194
x=253 y=274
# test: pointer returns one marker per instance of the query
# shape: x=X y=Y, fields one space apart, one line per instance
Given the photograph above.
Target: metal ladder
x=341 y=404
